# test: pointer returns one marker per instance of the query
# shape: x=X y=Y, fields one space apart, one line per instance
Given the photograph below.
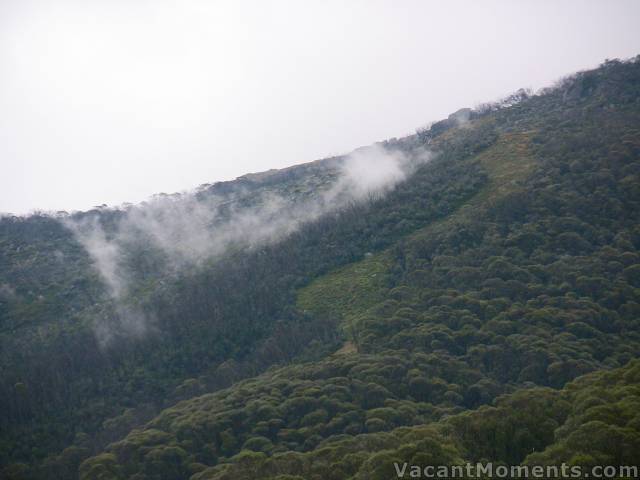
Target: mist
x=193 y=228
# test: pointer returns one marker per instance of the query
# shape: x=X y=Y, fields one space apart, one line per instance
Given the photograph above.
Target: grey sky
x=113 y=101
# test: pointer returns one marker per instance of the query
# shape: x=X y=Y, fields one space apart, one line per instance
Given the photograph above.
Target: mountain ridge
x=504 y=265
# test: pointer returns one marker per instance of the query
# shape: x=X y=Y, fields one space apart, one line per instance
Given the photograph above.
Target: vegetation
x=594 y=420
x=486 y=308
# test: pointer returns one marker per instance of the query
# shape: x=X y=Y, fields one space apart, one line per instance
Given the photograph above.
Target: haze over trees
x=478 y=301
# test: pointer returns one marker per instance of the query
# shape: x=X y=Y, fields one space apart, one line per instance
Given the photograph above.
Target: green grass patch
x=351 y=290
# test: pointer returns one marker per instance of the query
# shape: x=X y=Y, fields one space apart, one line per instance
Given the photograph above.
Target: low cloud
x=191 y=228
x=105 y=253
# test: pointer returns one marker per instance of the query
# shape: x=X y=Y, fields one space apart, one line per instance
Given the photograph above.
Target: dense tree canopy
x=443 y=322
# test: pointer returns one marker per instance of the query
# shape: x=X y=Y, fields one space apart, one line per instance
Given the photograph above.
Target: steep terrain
x=444 y=319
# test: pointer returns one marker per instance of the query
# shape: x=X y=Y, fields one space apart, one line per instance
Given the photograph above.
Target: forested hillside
x=484 y=306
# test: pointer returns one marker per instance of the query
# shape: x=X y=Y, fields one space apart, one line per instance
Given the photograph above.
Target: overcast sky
x=112 y=101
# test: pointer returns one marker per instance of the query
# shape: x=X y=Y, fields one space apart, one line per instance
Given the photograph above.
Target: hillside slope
x=497 y=273
x=226 y=314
